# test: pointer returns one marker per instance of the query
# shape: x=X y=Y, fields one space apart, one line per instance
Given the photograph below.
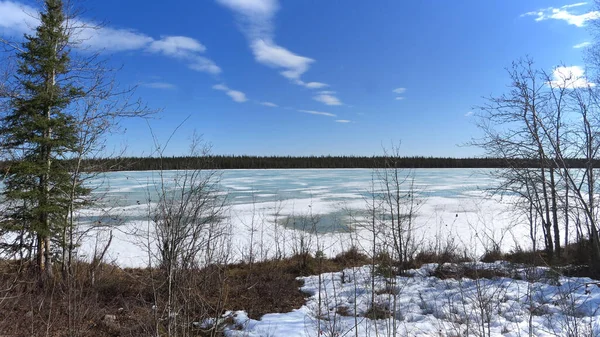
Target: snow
x=532 y=301
x=542 y=304
x=453 y=204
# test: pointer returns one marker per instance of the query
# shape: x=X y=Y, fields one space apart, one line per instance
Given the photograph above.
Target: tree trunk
x=40 y=253
x=554 y=214
x=48 y=258
x=566 y=213
x=547 y=221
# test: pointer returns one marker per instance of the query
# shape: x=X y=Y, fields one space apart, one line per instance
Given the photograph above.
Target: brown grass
x=30 y=308
x=378 y=311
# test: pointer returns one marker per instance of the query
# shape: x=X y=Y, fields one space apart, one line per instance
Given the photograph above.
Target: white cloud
x=236 y=96
x=256 y=20
x=399 y=91
x=569 y=77
x=269 y=104
x=158 y=85
x=270 y=54
x=327 y=99
x=106 y=38
x=180 y=46
x=203 y=64
x=256 y=9
x=563 y=13
x=313 y=112
x=310 y=85
x=18 y=19
x=187 y=49
x=582 y=45
x=221 y=87
x=183 y=48
x=315 y=85
x=342 y=121
x=469 y=113
x=575 y=5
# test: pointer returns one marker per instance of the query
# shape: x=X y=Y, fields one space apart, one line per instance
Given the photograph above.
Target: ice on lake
x=453 y=203
x=263 y=204
x=323 y=187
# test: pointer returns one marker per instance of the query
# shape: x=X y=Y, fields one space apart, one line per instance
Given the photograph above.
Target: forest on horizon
x=305 y=162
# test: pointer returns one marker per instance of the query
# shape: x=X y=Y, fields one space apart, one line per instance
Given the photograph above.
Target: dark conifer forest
x=307 y=162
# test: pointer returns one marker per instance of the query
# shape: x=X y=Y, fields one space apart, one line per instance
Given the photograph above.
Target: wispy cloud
x=105 y=38
x=313 y=112
x=570 y=77
x=180 y=46
x=158 y=85
x=582 y=45
x=343 y=121
x=565 y=13
x=185 y=48
x=315 y=85
x=399 y=91
x=270 y=54
x=255 y=18
x=18 y=19
x=327 y=99
x=469 y=113
x=204 y=64
x=269 y=104
x=236 y=96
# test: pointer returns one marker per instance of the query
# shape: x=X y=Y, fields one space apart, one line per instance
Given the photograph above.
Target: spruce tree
x=40 y=131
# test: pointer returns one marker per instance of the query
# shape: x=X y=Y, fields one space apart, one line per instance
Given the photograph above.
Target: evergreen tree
x=40 y=131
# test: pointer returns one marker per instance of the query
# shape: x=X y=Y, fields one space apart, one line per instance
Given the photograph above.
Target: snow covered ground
x=531 y=302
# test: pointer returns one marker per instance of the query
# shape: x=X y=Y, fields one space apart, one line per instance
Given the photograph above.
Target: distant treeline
x=289 y=162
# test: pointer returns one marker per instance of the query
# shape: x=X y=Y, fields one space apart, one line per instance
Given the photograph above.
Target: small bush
x=378 y=311
x=492 y=255
x=351 y=258
x=520 y=256
x=447 y=271
x=446 y=256
x=386 y=266
x=388 y=290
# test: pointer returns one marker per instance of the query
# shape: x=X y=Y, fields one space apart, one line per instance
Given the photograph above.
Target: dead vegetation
x=128 y=301
x=124 y=301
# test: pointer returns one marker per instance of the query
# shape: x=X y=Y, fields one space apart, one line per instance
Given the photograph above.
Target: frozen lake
x=247 y=186
x=264 y=208
x=453 y=205
x=326 y=191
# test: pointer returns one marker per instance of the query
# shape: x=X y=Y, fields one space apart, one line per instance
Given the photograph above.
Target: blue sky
x=318 y=77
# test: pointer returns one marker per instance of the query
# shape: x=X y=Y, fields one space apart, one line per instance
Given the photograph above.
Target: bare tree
x=512 y=131
x=543 y=126
x=400 y=204
x=187 y=224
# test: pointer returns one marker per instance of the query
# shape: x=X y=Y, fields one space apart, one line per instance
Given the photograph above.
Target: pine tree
x=40 y=131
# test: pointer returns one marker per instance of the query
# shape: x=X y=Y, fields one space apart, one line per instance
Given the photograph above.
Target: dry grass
x=77 y=307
